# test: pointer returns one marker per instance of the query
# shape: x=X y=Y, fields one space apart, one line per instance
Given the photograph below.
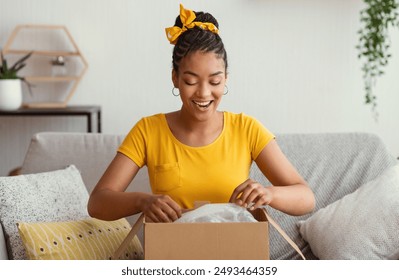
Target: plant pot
x=10 y=94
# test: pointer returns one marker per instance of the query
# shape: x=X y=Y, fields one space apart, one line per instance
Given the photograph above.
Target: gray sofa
x=334 y=164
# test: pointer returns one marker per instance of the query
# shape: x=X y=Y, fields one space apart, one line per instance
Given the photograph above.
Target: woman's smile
x=203 y=104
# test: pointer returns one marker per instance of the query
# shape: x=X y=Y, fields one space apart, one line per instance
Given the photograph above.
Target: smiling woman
x=198 y=153
x=201 y=78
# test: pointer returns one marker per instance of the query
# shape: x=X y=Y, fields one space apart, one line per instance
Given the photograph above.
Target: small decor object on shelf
x=57 y=63
x=58 y=66
x=10 y=83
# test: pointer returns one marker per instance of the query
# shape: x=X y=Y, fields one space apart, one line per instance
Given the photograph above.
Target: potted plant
x=10 y=83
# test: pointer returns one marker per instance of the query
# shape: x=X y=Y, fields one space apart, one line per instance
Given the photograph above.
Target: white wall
x=293 y=63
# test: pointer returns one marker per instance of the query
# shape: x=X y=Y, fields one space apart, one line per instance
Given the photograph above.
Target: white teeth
x=203 y=103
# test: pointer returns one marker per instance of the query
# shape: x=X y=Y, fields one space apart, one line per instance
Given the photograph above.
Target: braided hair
x=197 y=39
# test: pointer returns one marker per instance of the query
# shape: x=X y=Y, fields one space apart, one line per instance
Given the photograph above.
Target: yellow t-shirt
x=188 y=174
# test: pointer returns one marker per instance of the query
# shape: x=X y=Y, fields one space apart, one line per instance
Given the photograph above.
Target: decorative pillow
x=49 y=196
x=88 y=239
x=362 y=225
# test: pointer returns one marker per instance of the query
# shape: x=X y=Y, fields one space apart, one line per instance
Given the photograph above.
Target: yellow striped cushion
x=89 y=239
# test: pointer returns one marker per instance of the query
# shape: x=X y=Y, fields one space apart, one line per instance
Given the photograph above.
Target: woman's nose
x=204 y=91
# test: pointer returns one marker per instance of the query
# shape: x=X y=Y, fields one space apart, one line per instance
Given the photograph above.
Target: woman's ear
x=175 y=79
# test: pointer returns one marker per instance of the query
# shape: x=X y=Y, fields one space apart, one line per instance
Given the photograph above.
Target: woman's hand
x=161 y=209
x=251 y=194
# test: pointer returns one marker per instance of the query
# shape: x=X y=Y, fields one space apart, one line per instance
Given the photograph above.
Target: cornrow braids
x=197 y=39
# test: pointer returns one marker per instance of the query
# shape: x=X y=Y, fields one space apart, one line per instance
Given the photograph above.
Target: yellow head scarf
x=187 y=17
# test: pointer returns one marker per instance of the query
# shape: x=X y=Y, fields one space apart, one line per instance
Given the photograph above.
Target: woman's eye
x=190 y=83
x=215 y=83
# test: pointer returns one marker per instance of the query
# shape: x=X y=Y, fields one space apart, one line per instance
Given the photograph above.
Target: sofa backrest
x=91 y=153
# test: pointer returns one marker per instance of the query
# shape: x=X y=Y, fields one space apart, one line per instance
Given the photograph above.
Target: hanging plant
x=374 y=42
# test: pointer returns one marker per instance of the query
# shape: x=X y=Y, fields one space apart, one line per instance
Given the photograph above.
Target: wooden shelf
x=51 y=79
x=74 y=78
x=44 y=53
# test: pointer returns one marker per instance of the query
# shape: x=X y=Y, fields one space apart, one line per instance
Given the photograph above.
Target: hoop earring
x=226 y=90
x=173 y=92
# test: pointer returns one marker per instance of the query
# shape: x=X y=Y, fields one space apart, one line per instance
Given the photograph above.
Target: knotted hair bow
x=187 y=18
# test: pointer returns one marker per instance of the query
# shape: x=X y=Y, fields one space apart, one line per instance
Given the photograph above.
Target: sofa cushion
x=362 y=225
x=89 y=239
x=49 y=196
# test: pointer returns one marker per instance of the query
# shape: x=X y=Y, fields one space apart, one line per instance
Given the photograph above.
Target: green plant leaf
x=11 y=73
x=20 y=61
x=374 y=43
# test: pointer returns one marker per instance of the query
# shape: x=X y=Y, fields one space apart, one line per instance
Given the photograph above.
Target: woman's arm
x=289 y=192
x=109 y=201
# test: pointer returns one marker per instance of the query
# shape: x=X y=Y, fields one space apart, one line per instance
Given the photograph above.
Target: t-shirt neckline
x=178 y=142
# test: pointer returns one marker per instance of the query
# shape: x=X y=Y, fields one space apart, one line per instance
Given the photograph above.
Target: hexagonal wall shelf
x=55 y=68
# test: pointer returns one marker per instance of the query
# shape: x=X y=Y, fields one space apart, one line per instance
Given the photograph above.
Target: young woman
x=198 y=153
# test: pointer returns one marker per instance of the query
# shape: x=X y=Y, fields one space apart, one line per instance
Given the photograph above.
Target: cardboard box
x=208 y=241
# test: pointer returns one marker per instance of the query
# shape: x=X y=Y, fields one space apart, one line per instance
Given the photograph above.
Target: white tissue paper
x=217 y=213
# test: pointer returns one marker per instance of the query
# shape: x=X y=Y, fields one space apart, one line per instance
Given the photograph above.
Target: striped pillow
x=89 y=239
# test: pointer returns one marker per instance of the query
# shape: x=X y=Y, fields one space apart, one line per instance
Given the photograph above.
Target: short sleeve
x=134 y=144
x=260 y=136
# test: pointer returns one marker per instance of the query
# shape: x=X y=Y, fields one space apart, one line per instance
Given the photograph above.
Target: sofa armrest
x=3 y=246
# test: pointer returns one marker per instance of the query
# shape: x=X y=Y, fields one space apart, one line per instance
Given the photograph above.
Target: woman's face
x=200 y=80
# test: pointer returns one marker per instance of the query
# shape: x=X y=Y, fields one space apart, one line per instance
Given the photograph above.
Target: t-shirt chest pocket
x=167 y=177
